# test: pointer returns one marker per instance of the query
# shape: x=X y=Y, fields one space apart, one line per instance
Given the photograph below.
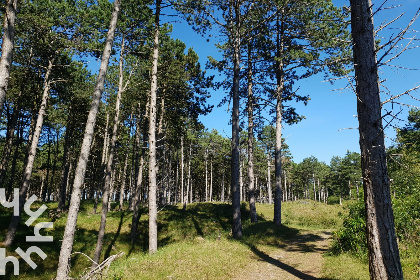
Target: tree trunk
x=123 y=180
x=11 y=232
x=110 y=163
x=182 y=171
x=152 y=139
x=65 y=171
x=270 y=192
x=235 y=186
x=138 y=186
x=279 y=107
x=68 y=238
x=211 y=181
x=384 y=259
x=251 y=176
x=7 y=49
x=206 y=172
x=8 y=145
x=189 y=183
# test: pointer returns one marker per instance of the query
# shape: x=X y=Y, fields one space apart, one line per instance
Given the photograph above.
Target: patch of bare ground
x=301 y=257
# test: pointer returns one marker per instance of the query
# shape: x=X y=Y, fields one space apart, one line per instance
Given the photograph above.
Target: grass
x=194 y=243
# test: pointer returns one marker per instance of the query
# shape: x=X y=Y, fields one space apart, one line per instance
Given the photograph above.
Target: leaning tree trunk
x=68 y=238
x=7 y=49
x=384 y=259
x=279 y=93
x=110 y=163
x=251 y=177
x=11 y=232
x=152 y=139
x=235 y=186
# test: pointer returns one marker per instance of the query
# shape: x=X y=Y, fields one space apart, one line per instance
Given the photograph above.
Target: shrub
x=352 y=236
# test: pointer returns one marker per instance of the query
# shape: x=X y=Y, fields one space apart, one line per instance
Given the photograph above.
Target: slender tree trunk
x=65 y=171
x=222 y=195
x=235 y=184
x=68 y=238
x=152 y=139
x=384 y=258
x=7 y=150
x=182 y=171
x=206 y=179
x=211 y=181
x=11 y=232
x=139 y=182
x=7 y=49
x=110 y=163
x=189 y=184
x=313 y=181
x=123 y=181
x=279 y=107
x=270 y=192
x=14 y=163
x=251 y=176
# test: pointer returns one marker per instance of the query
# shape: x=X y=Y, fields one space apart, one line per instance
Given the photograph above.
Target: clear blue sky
x=330 y=127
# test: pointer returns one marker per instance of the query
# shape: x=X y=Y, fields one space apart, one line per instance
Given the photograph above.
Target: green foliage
x=352 y=237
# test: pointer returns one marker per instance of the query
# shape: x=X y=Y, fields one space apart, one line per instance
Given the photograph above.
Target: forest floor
x=196 y=243
x=300 y=258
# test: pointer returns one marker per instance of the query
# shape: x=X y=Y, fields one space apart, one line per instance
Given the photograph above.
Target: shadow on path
x=293 y=271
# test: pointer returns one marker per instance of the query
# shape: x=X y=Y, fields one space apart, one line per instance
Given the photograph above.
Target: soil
x=300 y=258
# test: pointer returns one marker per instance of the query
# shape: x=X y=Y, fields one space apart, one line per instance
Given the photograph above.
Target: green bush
x=352 y=236
x=407 y=219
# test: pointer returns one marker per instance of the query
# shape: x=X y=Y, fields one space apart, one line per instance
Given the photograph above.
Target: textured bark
x=236 y=198
x=110 y=164
x=251 y=175
x=8 y=145
x=152 y=139
x=269 y=190
x=182 y=171
x=11 y=232
x=123 y=181
x=384 y=259
x=279 y=107
x=7 y=49
x=68 y=238
x=138 y=184
x=65 y=171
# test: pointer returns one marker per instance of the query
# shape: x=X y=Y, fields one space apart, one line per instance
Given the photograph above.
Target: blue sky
x=330 y=127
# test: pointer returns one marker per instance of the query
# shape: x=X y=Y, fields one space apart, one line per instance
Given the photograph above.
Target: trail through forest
x=299 y=258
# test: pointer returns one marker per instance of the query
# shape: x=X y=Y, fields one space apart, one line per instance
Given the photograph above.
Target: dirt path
x=300 y=258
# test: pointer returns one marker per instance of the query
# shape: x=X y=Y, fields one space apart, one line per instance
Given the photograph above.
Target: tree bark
x=11 y=232
x=68 y=238
x=384 y=259
x=270 y=192
x=123 y=181
x=251 y=177
x=152 y=139
x=7 y=49
x=110 y=163
x=235 y=186
x=8 y=145
x=279 y=105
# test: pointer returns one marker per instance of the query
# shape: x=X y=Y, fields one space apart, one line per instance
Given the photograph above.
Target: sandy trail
x=301 y=258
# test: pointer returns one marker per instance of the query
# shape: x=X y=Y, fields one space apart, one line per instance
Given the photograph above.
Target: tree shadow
x=116 y=235
x=282 y=237
x=293 y=271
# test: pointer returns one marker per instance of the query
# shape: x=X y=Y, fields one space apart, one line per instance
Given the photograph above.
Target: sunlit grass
x=195 y=243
